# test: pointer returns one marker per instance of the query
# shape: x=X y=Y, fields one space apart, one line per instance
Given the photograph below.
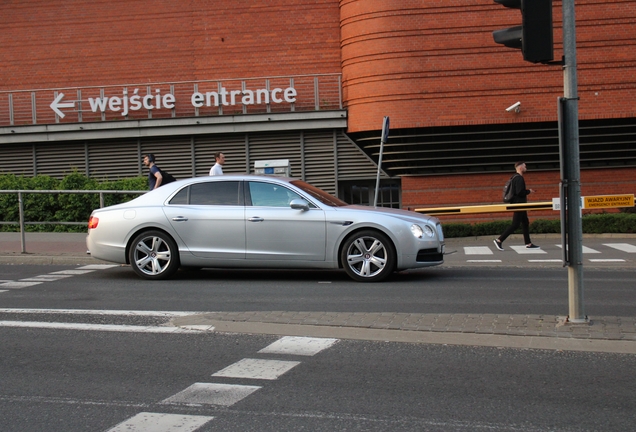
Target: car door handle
x=180 y=219
x=256 y=219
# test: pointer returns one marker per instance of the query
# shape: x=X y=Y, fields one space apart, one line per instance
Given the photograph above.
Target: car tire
x=154 y=255
x=368 y=256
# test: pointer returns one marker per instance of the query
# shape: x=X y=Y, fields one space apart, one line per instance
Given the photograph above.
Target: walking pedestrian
x=154 y=173
x=217 y=168
x=519 y=218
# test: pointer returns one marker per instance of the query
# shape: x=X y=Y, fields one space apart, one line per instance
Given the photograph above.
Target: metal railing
x=171 y=99
x=22 y=222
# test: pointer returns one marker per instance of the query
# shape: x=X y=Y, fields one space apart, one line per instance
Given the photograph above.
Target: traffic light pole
x=571 y=169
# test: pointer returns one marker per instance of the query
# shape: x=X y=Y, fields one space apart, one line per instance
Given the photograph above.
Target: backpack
x=508 y=192
x=166 y=177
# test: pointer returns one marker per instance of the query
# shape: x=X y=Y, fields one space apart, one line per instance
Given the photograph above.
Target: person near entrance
x=154 y=173
x=519 y=218
x=217 y=168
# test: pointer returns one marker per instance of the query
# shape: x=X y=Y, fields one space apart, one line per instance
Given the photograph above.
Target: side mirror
x=299 y=204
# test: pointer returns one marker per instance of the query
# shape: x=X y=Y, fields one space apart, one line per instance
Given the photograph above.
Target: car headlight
x=429 y=231
x=419 y=232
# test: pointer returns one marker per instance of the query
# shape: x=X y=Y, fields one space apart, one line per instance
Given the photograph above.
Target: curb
x=605 y=334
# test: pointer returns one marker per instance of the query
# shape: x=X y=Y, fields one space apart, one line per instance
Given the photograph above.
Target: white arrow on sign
x=56 y=105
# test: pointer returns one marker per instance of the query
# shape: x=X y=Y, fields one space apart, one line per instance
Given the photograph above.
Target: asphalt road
x=511 y=290
x=59 y=380
x=106 y=372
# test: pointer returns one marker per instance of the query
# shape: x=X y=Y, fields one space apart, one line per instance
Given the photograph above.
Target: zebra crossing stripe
x=477 y=250
x=296 y=345
x=625 y=247
x=586 y=250
x=19 y=285
x=98 y=266
x=257 y=369
x=51 y=277
x=72 y=272
x=522 y=250
x=211 y=394
x=152 y=422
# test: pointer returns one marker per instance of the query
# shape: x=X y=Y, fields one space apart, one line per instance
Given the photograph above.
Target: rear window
x=210 y=193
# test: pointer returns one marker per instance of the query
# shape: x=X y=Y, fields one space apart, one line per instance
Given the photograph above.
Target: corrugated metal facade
x=321 y=157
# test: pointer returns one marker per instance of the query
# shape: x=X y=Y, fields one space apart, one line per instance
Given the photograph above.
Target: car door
x=275 y=231
x=210 y=219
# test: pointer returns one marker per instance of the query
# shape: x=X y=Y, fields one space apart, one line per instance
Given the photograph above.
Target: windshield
x=318 y=194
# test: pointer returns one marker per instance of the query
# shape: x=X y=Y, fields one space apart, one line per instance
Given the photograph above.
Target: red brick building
x=199 y=68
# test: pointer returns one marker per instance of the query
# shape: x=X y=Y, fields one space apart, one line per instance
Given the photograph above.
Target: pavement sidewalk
x=610 y=334
x=44 y=248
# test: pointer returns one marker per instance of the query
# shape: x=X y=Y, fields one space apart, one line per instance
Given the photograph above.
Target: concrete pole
x=572 y=168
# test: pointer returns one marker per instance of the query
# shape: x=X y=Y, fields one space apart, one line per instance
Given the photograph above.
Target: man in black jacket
x=519 y=217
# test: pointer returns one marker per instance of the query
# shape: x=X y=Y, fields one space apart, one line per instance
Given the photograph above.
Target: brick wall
x=476 y=189
x=432 y=63
x=47 y=44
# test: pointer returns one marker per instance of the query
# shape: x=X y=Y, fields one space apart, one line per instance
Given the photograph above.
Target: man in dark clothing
x=154 y=175
x=518 y=186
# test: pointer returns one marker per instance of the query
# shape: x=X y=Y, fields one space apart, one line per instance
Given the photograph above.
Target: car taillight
x=92 y=222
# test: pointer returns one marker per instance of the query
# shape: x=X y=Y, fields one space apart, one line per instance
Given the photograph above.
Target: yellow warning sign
x=605 y=201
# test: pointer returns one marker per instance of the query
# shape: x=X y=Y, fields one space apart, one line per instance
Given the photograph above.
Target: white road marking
x=43 y=278
x=50 y=277
x=607 y=260
x=97 y=327
x=477 y=250
x=545 y=260
x=71 y=272
x=257 y=369
x=522 y=250
x=625 y=247
x=54 y=277
x=18 y=285
x=586 y=250
x=100 y=312
x=159 y=422
x=211 y=394
x=98 y=266
x=296 y=345
x=46 y=278
x=484 y=261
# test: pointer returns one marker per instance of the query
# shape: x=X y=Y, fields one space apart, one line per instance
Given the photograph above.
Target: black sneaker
x=498 y=244
x=532 y=246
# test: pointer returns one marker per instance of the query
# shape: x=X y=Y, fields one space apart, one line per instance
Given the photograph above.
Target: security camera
x=516 y=107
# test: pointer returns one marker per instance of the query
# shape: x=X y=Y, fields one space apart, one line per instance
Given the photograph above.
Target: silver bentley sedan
x=249 y=221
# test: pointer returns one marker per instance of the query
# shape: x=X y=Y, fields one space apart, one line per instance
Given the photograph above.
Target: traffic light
x=534 y=35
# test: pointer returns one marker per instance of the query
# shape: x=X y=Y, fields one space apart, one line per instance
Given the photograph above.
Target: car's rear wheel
x=154 y=255
x=368 y=256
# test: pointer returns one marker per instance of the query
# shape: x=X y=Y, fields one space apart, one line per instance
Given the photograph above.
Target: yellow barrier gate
x=592 y=202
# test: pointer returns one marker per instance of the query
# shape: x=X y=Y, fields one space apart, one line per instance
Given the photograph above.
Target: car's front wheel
x=154 y=255
x=368 y=256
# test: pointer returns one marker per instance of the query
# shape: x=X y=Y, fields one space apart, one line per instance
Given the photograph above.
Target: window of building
x=362 y=192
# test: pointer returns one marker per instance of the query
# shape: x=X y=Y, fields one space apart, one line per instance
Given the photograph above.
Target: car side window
x=210 y=193
x=182 y=197
x=271 y=195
